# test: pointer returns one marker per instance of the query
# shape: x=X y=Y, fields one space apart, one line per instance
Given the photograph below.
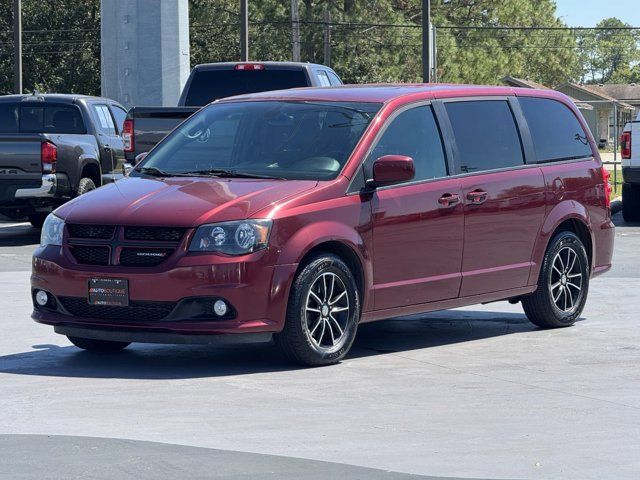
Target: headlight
x=52 y=231
x=232 y=238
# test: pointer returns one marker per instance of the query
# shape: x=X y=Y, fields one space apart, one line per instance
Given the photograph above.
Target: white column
x=145 y=51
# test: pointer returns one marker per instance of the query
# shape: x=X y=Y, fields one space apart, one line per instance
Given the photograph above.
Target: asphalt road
x=470 y=393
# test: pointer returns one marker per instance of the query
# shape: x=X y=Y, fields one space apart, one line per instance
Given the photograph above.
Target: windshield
x=291 y=140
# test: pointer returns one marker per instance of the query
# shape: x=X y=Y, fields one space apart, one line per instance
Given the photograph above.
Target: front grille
x=136 y=311
x=144 y=257
x=90 y=255
x=104 y=232
x=154 y=234
x=129 y=246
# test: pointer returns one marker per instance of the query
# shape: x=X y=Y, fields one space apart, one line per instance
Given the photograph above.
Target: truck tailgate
x=19 y=153
x=152 y=124
x=634 y=161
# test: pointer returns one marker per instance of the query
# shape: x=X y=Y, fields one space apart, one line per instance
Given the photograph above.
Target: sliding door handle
x=477 y=197
x=449 y=200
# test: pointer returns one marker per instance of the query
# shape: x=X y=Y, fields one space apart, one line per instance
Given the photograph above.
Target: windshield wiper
x=156 y=172
x=153 y=171
x=226 y=173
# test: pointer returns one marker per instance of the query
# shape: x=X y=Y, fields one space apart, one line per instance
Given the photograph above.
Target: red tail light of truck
x=127 y=135
x=48 y=157
x=625 y=145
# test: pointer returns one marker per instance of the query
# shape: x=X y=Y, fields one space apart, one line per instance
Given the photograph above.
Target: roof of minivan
x=55 y=97
x=380 y=93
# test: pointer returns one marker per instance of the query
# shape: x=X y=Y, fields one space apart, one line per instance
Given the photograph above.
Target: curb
x=616 y=205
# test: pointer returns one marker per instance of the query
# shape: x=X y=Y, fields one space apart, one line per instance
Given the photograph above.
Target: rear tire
x=97 y=346
x=322 y=314
x=85 y=185
x=37 y=219
x=630 y=202
x=563 y=284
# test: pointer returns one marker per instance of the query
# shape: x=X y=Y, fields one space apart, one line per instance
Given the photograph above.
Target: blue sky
x=587 y=13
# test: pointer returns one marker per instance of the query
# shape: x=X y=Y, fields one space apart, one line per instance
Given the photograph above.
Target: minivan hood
x=173 y=201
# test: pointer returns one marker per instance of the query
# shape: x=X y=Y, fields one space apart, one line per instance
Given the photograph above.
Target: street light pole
x=244 y=30
x=295 y=30
x=17 y=46
x=426 y=41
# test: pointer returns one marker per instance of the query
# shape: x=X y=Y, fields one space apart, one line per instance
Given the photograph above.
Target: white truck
x=630 y=150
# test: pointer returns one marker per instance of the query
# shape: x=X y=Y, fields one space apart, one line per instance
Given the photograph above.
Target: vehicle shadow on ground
x=17 y=235
x=144 y=361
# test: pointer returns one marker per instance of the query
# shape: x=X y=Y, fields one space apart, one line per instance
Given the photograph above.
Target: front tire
x=630 y=202
x=322 y=314
x=97 y=346
x=563 y=284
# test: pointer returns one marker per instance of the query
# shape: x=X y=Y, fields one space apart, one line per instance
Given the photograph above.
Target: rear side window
x=8 y=118
x=104 y=120
x=414 y=133
x=486 y=135
x=50 y=119
x=555 y=130
x=324 y=79
x=209 y=85
x=334 y=78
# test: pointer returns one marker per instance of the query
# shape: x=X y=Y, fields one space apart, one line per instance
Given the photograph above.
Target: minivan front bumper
x=256 y=292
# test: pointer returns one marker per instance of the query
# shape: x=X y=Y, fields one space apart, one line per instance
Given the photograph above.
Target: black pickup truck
x=55 y=147
x=146 y=126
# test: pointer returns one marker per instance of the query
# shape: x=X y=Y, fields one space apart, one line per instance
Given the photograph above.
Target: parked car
x=56 y=147
x=300 y=214
x=146 y=126
x=630 y=153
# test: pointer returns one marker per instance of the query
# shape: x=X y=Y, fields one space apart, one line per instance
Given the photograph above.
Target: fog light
x=220 y=307
x=42 y=298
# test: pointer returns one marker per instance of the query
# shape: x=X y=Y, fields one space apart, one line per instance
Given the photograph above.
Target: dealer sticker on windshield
x=109 y=291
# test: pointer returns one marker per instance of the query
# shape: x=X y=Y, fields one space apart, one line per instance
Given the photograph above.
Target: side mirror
x=392 y=169
x=140 y=157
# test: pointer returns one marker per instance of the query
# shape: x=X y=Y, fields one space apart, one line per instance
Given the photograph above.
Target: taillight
x=249 y=66
x=607 y=187
x=48 y=157
x=127 y=135
x=625 y=145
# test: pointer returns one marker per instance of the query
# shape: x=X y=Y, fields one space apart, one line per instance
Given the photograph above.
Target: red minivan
x=296 y=215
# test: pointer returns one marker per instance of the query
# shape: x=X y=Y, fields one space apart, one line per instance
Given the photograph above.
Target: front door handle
x=449 y=200
x=477 y=197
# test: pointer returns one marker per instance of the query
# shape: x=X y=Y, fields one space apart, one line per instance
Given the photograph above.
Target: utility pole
x=295 y=30
x=327 y=37
x=17 y=46
x=426 y=41
x=244 y=30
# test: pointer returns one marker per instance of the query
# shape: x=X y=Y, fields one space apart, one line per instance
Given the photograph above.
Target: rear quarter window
x=486 y=135
x=209 y=85
x=556 y=132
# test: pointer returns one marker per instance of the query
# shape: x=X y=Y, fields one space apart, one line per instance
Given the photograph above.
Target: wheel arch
x=568 y=216
x=90 y=168
x=343 y=242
